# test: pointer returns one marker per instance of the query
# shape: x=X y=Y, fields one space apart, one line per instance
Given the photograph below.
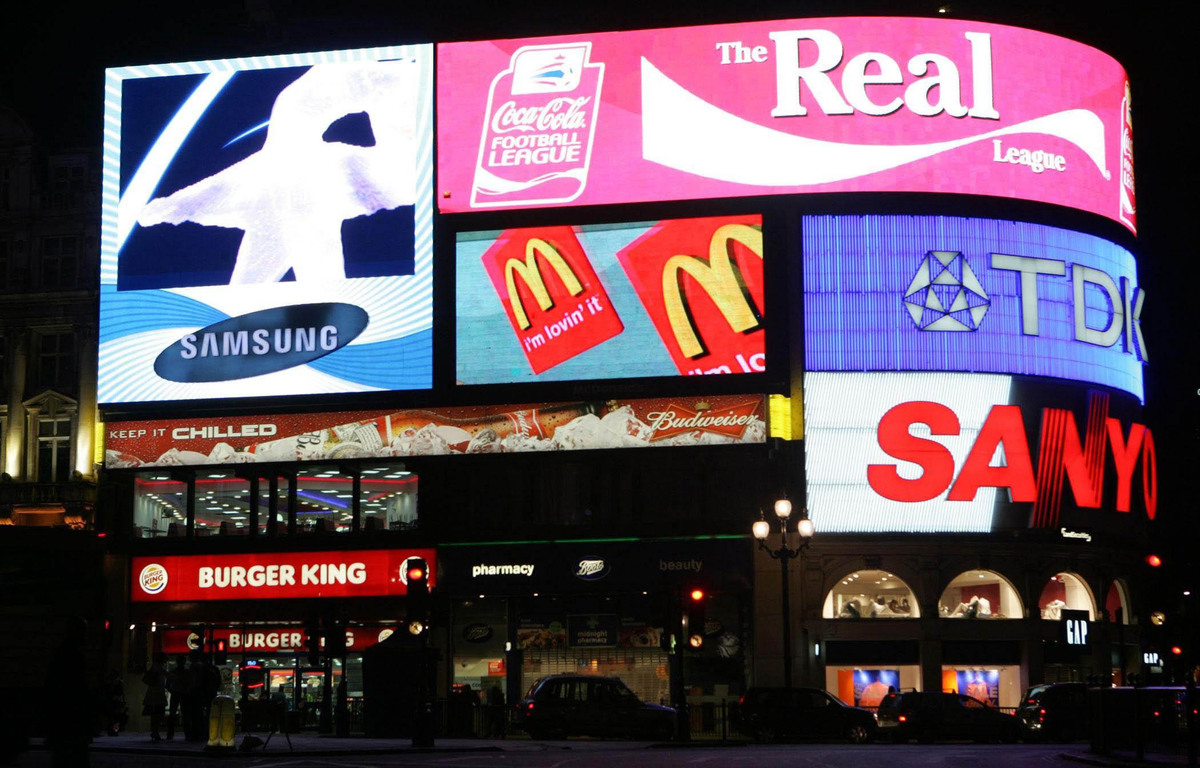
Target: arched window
x=980 y=595
x=1065 y=591
x=1116 y=603
x=871 y=594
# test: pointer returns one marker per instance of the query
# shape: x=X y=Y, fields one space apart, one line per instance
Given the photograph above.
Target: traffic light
x=416 y=575
x=1153 y=560
x=695 y=619
x=220 y=652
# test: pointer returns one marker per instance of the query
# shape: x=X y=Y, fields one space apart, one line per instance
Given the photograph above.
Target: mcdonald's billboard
x=666 y=298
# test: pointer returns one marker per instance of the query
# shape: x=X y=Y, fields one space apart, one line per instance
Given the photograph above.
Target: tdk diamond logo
x=945 y=295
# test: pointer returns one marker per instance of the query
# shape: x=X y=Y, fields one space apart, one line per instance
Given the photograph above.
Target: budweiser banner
x=430 y=432
x=801 y=105
x=271 y=575
x=658 y=298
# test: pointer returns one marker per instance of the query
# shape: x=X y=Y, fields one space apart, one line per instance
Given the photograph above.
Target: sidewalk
x=311 y=744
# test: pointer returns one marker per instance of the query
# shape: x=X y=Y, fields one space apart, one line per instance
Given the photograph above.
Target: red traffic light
x=1153 y=561
x=416 y=573
x=697 y=595
x=1176 y=650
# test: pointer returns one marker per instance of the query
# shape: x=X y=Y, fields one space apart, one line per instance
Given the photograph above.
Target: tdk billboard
x=940 y=293
x=268 y=227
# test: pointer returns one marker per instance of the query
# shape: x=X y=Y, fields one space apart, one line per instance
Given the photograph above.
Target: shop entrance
x=289 y=680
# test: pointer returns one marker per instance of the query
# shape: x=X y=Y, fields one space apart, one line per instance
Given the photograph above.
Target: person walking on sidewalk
x=155 y=700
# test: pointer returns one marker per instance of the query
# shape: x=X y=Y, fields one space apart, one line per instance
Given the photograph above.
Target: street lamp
x=783 y=553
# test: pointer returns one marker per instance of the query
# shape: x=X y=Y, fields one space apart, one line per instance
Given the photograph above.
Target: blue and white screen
x=267 y=227
x=934 y=293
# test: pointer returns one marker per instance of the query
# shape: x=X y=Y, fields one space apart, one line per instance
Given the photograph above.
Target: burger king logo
x=153 y=579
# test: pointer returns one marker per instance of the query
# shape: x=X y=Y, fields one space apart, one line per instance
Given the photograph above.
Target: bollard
x=221 y=724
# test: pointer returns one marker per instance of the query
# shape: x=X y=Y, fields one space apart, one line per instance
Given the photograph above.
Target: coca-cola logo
x=561 y=114
x=477 y=633
x=592 y=568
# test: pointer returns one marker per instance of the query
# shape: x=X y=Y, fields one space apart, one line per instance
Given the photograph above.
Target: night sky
x=52 y=68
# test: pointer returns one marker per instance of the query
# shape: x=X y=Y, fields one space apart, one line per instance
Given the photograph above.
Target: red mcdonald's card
x=701 y=282
x=556 y=304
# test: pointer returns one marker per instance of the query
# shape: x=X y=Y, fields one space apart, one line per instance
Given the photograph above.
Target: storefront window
x=980 y=595
x=865 y=686
x=996 y=686
x=388 y=499
x=222 y=504
x=1065 y=591
x=871 y=594
x=324 y=502
x=159 y=507
x=1116 y=603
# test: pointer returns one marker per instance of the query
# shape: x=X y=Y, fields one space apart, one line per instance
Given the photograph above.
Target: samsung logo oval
x=261 y=342
x=592 y=569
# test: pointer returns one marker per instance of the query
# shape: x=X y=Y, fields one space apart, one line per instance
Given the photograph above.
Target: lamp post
x=783 y=553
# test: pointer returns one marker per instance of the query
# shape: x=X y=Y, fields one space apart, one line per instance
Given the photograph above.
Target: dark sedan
x=933 y=716
x=768 y=714
x=589 y=705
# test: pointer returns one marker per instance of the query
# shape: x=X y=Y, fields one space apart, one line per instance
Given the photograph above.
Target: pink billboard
x=781 y=107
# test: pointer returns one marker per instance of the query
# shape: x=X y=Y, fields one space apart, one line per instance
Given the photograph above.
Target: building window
x=60 y=262
x=68 y=183
x=871 y=594
x=54 y=449
x=980 y=595
x=56 y=360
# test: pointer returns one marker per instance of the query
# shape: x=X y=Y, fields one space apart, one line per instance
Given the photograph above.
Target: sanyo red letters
x=1062 y=450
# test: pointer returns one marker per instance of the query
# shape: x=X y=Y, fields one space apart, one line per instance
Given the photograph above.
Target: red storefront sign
x=275 y=575
x=266 y=639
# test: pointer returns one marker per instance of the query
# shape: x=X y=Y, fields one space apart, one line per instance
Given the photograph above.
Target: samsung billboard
x=938 y=293
x=972 y=453
x=267 y=227
x=678 y=297
x=780 y=107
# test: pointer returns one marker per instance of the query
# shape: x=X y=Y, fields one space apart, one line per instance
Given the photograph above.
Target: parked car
x=934 y=716
x=1054 y=712
x=767 y=714
x=589 y=705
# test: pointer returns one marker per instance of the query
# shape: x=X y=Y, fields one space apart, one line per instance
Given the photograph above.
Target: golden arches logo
x=529 y=272
x=720 y=278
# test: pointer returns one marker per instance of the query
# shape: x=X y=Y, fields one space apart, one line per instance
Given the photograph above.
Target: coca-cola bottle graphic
x=540 y=122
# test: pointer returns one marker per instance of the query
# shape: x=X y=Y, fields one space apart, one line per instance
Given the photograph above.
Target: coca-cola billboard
x=723 y=419
x=778 y=107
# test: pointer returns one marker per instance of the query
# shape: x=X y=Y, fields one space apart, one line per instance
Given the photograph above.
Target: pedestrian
x=155 y=700
x=498 y=716
x=177 y=683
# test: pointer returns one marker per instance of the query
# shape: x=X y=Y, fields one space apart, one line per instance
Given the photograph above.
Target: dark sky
x=51 y=69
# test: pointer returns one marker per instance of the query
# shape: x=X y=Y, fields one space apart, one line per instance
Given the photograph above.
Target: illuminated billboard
x=639 y=423
x=275 y=575
x=267 y=227
x=936 y=293
x=780 y=107
x=666 y=298
x=970 y=453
